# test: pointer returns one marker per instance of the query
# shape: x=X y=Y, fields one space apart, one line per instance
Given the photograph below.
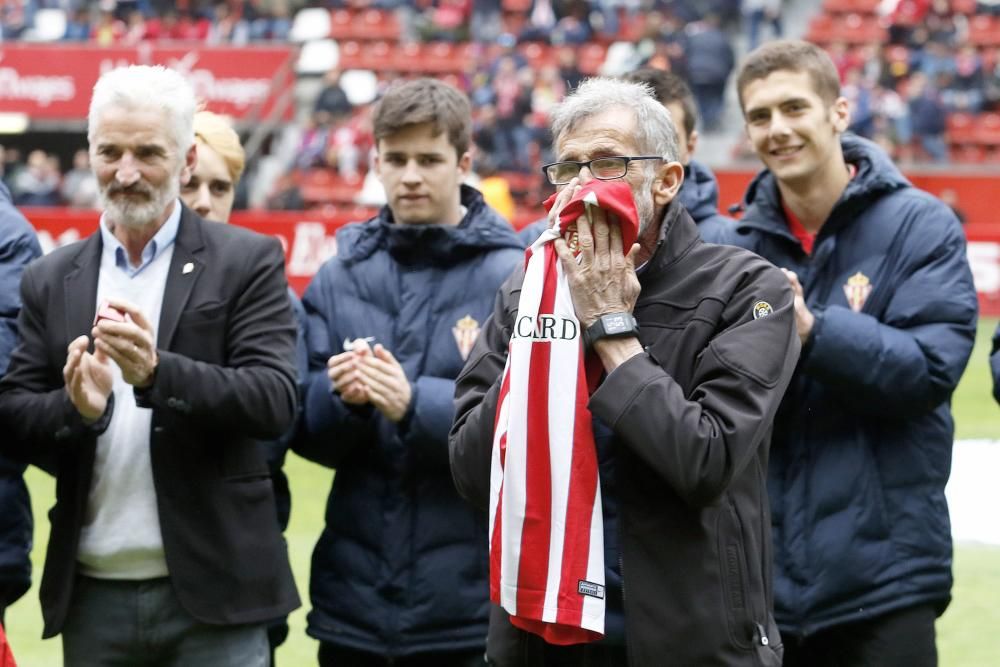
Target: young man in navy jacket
x=886 y=312
x=399 y=575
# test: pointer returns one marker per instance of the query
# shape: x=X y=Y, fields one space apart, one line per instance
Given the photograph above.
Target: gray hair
x=655 y=133
x=147 y=87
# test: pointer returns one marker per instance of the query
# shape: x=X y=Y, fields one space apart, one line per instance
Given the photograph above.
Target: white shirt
x=121 y=536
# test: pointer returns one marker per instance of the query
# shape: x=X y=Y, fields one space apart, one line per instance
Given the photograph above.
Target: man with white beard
x=153 y=355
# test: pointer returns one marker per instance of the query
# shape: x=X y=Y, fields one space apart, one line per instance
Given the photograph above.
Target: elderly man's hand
x=88 y=379
x=603 y=280
x=130 y=344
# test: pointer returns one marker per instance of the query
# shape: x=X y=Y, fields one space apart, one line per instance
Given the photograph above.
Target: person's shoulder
x=728 y=262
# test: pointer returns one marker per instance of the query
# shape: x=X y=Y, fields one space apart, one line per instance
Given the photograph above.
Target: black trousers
x=903 y=638
x=331 y=655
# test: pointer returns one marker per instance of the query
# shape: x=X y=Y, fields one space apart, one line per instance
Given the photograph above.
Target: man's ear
x=465 y=163
x=840 y=114
x=190 y=162
x=668 y=183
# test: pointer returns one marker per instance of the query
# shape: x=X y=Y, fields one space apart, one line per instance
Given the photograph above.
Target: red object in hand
x=108 y=312
x=615 y=197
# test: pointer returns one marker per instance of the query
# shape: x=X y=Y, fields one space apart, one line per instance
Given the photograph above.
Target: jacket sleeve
x=254 y=393
x=700 y=439
x=909 y=359
x=429 y=419
x=470 y=444
x=37 y=416
x=331 y=429
x=16 y=252
x=995 y=364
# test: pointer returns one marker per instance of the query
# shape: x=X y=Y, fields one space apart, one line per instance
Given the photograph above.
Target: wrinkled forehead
x=131 y=126
x=610 y=132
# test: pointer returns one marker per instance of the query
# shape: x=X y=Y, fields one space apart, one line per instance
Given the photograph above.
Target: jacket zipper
x=762 y=635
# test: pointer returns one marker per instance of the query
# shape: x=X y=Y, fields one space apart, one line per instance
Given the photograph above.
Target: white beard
x=128 y=212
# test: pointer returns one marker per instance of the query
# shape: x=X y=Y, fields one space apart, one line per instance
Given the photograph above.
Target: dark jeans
x=114 y=623
x=331 y=655
x=903 y=638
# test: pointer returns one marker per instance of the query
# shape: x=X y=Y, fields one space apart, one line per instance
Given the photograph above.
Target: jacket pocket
x=734 y=576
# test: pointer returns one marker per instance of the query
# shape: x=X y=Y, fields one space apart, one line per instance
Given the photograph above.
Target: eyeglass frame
x=581 y=165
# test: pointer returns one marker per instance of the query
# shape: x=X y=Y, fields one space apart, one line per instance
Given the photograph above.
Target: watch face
x=615 y=324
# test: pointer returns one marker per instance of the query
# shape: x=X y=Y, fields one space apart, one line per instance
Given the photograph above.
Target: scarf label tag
x=591 y=589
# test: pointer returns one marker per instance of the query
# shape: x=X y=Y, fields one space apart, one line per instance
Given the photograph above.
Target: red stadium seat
x=324 y=186
x=967 y=154
x=590 y=57
x=350 y=55
x=342 y=24
x=984 y=31
x=967 y=7
x=961 y=129
x=987 y=129
x=821 y=30
x=378 y=24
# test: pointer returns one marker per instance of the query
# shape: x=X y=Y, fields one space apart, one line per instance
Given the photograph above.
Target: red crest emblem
x=857 y=288
x=466 y=331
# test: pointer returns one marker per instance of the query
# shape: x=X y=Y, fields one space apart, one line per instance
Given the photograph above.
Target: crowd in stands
x=913 y=70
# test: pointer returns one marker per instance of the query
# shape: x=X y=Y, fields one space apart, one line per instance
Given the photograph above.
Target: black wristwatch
x=612 y=325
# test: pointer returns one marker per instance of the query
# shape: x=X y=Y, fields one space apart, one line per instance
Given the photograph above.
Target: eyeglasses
x=602 y=168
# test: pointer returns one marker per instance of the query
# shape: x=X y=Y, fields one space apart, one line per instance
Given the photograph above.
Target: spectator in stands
x=758 y=13
x=928 y=116
x=886 y=311
x=332 y=99
x=18 y=247
x=399 y=572
x=573 y=27
x=164 y=495
x=78 y=27
x=680 y=422
x=108 y=30
x=710 y=61
x=569 y=70
x=210 y=192
x=38 y=183
x=965 y=88
x=79 y=185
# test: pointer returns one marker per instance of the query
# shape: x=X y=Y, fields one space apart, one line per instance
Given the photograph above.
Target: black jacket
x=226 y=347
x=689 y=422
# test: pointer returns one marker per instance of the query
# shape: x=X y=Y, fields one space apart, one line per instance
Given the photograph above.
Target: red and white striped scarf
x=546 y=526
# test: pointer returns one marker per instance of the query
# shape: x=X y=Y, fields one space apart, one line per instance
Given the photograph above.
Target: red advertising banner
x=308 y=240
x=53 y=82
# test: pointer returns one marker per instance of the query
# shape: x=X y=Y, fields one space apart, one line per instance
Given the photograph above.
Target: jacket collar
x=481 y=228
x=81 y=282
x=876 y=176
x=678 y=234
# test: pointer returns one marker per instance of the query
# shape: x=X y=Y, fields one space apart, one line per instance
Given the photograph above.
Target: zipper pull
x=762 y=635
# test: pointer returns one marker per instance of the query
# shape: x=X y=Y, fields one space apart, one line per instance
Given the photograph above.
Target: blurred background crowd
x=923 y=77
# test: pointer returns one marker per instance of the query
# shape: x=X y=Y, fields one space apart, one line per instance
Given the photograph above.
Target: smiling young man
x=680 y=419
x=399 y=572
x=886 y=312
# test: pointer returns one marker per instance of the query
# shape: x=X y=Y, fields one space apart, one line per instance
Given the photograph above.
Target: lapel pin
x=188 y=268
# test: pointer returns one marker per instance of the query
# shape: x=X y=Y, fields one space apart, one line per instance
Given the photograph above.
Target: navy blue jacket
x=18 y=247
x=700 y=196
x=862 y=444
x=401 y=567
x=995 y=364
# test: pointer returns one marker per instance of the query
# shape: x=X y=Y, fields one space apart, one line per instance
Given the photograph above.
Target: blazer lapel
x=80 y=288
x=185 y=267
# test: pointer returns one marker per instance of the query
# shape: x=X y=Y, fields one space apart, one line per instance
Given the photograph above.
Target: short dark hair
x=425 y=101
x=793 y=55
x=668 y=87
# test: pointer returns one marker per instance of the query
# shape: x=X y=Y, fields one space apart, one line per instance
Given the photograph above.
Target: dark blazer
x=226 y=345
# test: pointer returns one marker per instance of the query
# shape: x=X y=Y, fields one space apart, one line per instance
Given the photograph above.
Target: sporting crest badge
x=857 y=288
x=466 y=331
